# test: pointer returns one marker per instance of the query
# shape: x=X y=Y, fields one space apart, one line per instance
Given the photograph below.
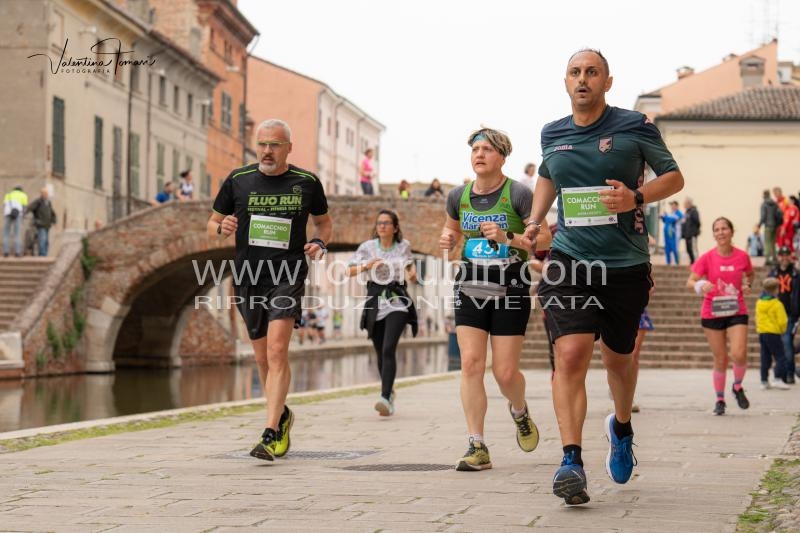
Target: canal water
x=57 y=400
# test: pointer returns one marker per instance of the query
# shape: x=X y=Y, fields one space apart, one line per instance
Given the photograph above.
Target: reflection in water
x=47 y=401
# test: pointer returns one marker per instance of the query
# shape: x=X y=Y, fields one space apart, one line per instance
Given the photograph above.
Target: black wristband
x=319 y=243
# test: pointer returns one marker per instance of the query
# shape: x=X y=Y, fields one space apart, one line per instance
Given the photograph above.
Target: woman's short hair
x=497 y=139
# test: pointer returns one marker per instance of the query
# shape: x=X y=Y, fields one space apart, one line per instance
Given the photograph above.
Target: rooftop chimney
x=685 y=72
x=752 y=71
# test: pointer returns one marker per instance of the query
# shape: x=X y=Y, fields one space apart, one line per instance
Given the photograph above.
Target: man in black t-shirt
x=267 y=206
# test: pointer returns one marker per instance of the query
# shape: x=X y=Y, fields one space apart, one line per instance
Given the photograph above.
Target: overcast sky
x=432 y=71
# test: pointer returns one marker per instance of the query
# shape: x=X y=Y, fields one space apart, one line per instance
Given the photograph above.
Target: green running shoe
x=527 y=434
x=476 y=458
x=281 y=445
x=264 y=448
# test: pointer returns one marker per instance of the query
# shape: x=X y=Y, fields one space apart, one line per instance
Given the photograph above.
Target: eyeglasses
x=384 y=223
x=272 y=144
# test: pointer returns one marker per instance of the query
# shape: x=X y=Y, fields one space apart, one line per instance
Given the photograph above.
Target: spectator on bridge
x=44 y=217
x=722 y=276
x=166 y=194
x=789 y=294
x=404 y=190
x=771 y=322
x=671 y=221
x=274 y=233
x=529 y=176
x=14 y=204
x=435 y=190
x=771 y=218
x=367 y=172
x=755 y=243
x=791 y=217
x=186 y=186
x=387 y=260
x=690 y=228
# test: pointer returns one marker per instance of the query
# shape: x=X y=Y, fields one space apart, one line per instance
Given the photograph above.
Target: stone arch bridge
x=142 y=289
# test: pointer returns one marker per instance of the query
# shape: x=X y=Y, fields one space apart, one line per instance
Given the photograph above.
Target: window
x=242 y=120
x=134 y=162
x=225 y=113
x=58 y=135
x=189 y=106
x=205 y=181
x=329 y=126
x=98 y=152
x=203 y=114
x=211 y=110
x=134 y=81
x=162 y=90
x=159 y=166
x=176 y=171
x=176 y=95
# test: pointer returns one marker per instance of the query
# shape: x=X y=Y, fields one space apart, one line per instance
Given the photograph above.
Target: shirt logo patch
x=297 y=189
x=563 y=147
x=605 y=144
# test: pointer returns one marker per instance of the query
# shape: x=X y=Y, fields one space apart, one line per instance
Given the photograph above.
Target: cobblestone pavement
x=348 y=468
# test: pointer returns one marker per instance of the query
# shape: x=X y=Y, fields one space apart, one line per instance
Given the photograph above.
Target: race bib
x=480 y=252
x=722 y=306
x=269 y=232
x=582 y=207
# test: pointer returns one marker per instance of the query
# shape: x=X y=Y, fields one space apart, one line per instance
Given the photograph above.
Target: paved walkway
x=695 y=470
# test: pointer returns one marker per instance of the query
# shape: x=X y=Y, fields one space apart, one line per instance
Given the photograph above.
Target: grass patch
x=51 y=439
x=772 y=498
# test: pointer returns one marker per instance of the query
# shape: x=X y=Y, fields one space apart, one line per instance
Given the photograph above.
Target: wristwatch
x=219 y=228
x=639 y=197
x=509 y=236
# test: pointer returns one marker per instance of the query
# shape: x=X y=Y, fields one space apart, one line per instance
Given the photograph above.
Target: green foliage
x=41 y=359
x=69 y=340
x=79 y=322
x=54 y=340
x=88 y=261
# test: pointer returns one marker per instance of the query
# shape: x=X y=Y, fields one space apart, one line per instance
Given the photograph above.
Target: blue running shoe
x=569 y=482
x=620 y=459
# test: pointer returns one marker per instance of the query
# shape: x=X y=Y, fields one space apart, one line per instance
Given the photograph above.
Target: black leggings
x=385 y=336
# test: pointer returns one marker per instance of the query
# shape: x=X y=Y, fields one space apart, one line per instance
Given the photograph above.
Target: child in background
x=771 y=322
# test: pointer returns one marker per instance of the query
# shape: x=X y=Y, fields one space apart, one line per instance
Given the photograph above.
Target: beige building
x=101 y=130
x=732 y=148
x=329 y=132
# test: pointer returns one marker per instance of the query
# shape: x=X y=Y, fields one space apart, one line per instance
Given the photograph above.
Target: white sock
x=476 y=437
x=517 y=414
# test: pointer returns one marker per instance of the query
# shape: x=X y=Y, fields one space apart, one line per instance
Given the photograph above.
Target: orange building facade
x=217 y=32
x=724 y=79
x=329 y=132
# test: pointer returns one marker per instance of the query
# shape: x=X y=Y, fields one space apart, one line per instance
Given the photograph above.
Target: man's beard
x=268 y=168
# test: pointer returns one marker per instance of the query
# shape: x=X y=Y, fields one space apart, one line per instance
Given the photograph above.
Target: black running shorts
x=724 y=322
x=499 y=316
x=579 y=303
x=260 y=304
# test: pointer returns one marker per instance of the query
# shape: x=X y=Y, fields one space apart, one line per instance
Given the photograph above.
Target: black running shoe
x=741 y=399
x=265 y=448
x=789 y=379
x=719 y=408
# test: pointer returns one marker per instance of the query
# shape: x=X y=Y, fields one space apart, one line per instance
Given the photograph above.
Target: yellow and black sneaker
x=527 y=434
x=265 y=448
x=282 y=443
x=476 y=458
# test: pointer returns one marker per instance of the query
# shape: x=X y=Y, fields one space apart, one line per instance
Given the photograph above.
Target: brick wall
x=205 y=341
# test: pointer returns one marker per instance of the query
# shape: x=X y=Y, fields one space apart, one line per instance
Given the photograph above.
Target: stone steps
x=20 y=278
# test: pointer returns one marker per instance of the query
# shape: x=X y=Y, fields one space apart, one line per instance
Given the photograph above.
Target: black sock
x=622 y=430
x=576 y=453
